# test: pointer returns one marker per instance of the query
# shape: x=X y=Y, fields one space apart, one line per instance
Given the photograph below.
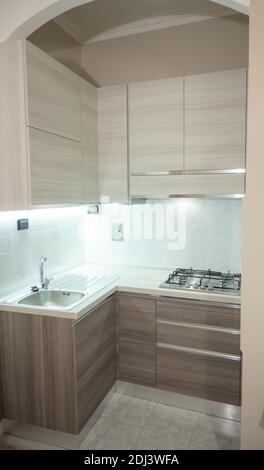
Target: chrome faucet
x=44 y=280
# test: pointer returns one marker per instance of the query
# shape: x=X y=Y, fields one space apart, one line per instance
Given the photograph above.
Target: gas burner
x=204 y=280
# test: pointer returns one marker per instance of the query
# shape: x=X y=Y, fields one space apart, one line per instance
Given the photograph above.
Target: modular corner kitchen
x=128 y=312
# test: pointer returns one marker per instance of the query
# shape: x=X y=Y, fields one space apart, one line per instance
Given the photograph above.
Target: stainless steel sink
x=53 y=299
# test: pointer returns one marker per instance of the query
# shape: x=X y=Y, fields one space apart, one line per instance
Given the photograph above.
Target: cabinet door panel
x=95 y=339
x=202 y=376
x=53 y=95
x=112 y=143
x=89 y=142
x=37 y=383
x=56 y=169
x=215 y=120
x=156 y=125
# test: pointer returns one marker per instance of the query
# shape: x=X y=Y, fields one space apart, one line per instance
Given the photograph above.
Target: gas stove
x=204 y=280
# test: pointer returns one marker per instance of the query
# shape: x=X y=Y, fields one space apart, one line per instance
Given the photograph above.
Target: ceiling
x=107 y=19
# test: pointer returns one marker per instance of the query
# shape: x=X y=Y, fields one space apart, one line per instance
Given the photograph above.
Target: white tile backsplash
x=213 y=235
x=70 y=237
x=52 y=232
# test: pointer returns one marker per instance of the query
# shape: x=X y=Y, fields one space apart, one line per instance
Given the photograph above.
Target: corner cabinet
x=48 y=155
x=55 y=373
x=187 y=136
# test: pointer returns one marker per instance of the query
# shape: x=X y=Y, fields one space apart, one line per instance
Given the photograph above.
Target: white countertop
x=116 y=278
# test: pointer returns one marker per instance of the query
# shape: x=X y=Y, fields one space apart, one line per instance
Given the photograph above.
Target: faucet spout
x=44 y=280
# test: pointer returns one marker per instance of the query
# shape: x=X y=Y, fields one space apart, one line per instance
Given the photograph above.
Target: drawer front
x=137 y=318
x=194 y=311
x=199 y=375
x=137 y=362
x=195 y=336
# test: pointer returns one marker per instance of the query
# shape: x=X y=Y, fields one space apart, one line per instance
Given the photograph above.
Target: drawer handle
x=197 y=302
x=200 y=327
x=200 y=352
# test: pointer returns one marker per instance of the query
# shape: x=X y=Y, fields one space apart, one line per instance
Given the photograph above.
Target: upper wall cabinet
x=156 y=126
x=89 y=141
x=112 y=143
x=215 y=120
x=54 y=103
x=48 y=131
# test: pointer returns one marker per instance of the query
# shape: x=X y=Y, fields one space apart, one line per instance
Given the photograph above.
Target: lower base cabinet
x=184 y=346
x=55 y=372
x=137 y=339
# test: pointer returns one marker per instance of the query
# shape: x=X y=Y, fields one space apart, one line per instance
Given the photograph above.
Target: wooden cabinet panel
x=215 y=120
x=112 y=143
x=14 y=178
x=194 y=311
x=137 y=318
x=156 y=125
x=199 y=375
x=172 y=185
x=37 y=379
x=137 y=362
x=95 y=340
x=53 y=95
x=89 y=142
x=137 y=339
x=199 y=337
x=56 y=169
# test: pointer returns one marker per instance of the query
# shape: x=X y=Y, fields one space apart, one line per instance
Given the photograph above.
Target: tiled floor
x=133 y=423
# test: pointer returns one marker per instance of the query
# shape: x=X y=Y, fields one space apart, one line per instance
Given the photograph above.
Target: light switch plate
x=117 y=232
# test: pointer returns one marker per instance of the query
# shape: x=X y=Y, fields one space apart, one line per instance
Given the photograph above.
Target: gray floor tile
x=170 y=418
x=215 y=433
x=129 y=410
x=163 y=439
x=108 y=434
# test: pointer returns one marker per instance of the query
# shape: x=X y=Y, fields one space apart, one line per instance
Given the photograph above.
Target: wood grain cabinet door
x=112 y=143
x=53 y=95
x=37 y=371
x=89 y=142
x=56 y=169
x=215 y=120
x=95 y=342
x=156 y=125
x=137 y=339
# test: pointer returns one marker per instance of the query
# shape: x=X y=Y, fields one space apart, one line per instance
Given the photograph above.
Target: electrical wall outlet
x=117 y=232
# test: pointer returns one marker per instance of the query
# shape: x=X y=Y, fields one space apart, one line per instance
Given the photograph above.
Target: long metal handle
x=199 y=352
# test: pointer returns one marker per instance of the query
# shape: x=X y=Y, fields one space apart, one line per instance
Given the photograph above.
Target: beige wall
x=206 y=46
x=253 y=245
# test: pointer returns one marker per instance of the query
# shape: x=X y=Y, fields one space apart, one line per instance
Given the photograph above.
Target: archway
x=19 y=18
